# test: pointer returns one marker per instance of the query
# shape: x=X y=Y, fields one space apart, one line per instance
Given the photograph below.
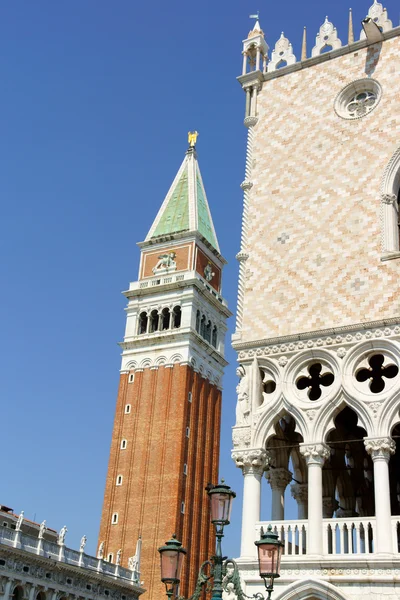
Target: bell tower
x=318 y=317
x=165 y=442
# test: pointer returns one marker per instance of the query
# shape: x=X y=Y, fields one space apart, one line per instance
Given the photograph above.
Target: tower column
x=278 y=479
x=244 y=62
x=300 y=494
x=253 y=464
x=258 y=58
x=380 y=450
x=315 y=455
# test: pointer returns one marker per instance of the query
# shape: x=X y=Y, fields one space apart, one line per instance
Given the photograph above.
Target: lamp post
x=222 y=571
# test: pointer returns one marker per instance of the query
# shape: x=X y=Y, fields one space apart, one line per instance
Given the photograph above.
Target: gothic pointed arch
x=390 y=192
x=311 y=589
x=266 y=424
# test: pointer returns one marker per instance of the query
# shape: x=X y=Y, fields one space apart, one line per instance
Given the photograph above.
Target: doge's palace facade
x=318 y=319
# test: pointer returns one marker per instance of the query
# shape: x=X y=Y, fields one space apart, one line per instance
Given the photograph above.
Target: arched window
x=203 y=327
x=208 y=332
x=41 y=596
x=142 y=323
x=198 y=321
x=154 y=318
x=390 y=198
x=18 y=593
x=214 y=336
x=165 y=319
x=177 y=315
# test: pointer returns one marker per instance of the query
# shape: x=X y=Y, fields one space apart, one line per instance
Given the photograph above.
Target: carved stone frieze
x=380 y=448
x=241 y=437
x=347 y=335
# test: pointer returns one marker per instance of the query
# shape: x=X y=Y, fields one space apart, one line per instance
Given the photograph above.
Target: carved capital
x=251 y=461
x=250 y=121
x=380 y=448
x=329 y=505
x=246 y=185
x=315 y=454
x=278 y=478
x=300 y=492
x=242 y=256
x=388 y=198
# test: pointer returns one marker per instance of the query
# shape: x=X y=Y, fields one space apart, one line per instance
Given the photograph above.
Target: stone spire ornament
x=282 y=55
x=351 y=29
x=379 y=16
x=304 y=45
x=326 y=37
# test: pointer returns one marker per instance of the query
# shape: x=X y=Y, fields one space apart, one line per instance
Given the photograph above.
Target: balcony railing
x=346 y=536
x=17 y=539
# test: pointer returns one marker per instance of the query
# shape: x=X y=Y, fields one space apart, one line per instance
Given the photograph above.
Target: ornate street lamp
x=223 y=572
x=171 y=564
x=269 y=549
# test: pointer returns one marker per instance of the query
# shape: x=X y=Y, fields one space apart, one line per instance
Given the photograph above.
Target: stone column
x=244 y=62
x=278 y=479
x=258 y=58
x=315 y=455
x=248 y=101
x=253 y=463
x=380 y=450
x=8 y=588
x=300 y=494
x=389 y=210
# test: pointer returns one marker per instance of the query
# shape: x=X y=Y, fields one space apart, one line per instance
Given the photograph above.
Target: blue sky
x=97 y=98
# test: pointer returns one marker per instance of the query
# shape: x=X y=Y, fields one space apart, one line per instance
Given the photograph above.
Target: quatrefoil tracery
x=315 y=381
x=376 y=373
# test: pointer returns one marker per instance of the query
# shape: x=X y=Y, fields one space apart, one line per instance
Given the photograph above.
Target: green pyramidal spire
x=185 y=207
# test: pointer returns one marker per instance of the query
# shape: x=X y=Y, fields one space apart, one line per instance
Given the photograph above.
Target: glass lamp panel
x=268 y=560
x=171 y=563
x=220 y=507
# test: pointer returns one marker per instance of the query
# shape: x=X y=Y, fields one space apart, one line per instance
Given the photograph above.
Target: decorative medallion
x=358 y=99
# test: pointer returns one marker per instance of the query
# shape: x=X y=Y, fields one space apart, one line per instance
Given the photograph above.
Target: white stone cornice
x=315 y=454
x=338 y=336
x=251 y=461
x=380 y=448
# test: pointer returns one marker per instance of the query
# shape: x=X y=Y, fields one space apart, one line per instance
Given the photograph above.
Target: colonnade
x=310 y=496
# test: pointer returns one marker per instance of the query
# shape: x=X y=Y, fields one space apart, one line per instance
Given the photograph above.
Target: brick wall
x=149 y=500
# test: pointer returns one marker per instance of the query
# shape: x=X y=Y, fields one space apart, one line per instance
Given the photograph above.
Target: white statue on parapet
x=83 y=543
x=20 y=521
x=61 y=536
x=42 y=530
x=166 y=262
x=118 y=559
x=100 y=551
x=243 y=403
